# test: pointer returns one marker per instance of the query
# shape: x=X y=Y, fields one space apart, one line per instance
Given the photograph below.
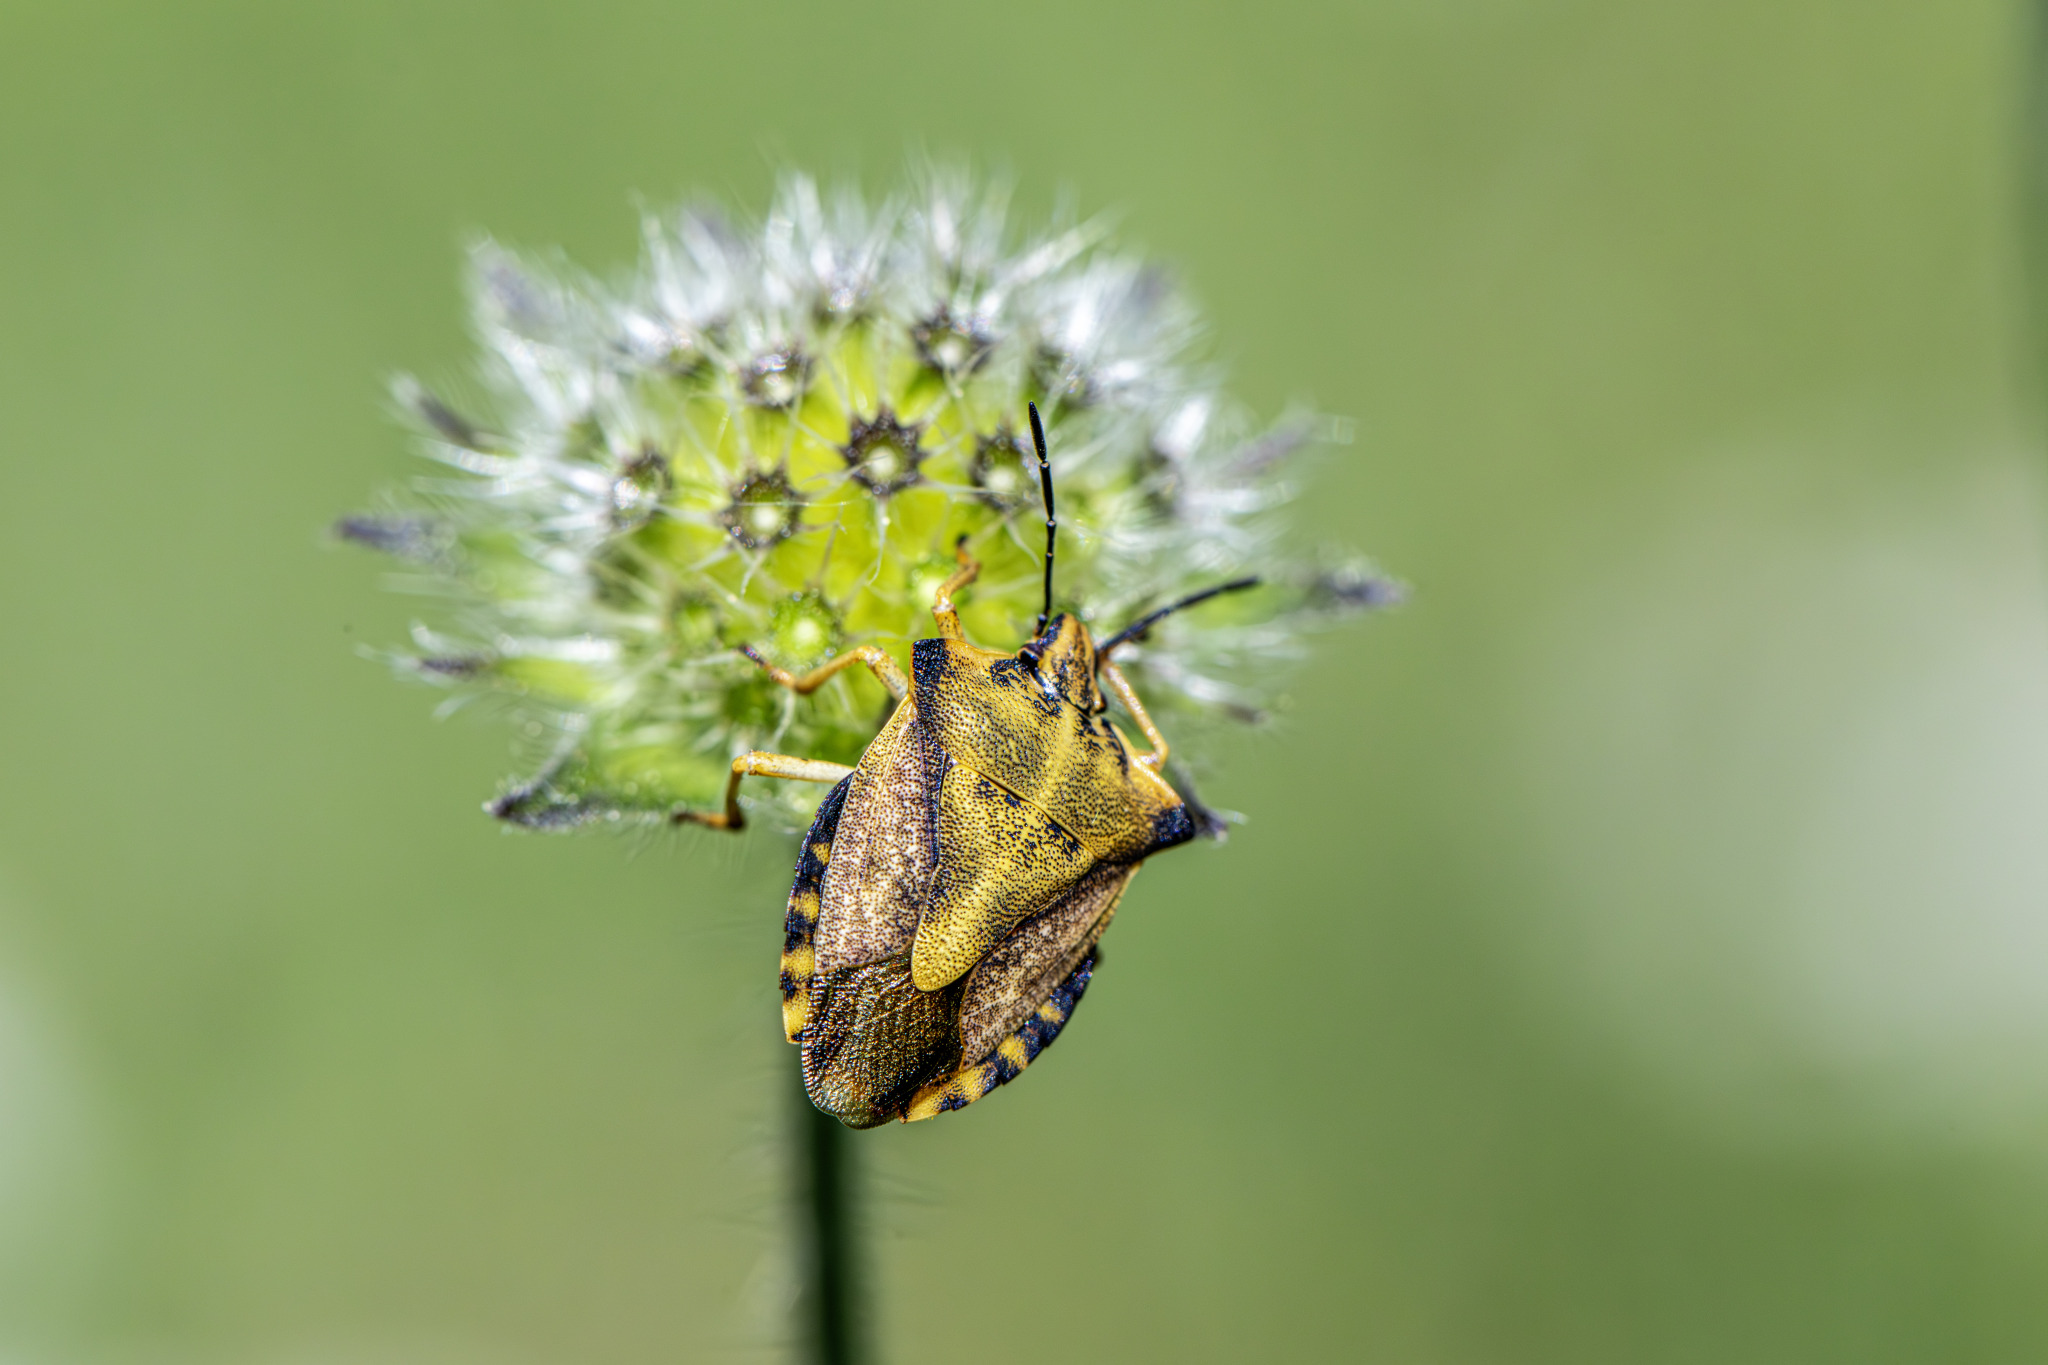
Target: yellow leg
x=758 y=764
x=883 y=667
x=1121 y=686
x=942 y=605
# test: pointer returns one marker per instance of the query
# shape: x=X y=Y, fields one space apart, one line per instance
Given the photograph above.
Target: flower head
x=770 y=441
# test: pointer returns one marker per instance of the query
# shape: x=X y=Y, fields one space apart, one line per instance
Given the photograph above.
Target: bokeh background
x=1638 y=951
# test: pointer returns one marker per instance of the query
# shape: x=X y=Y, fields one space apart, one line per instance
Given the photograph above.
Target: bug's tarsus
x=1137 y=629
x=1052 y=521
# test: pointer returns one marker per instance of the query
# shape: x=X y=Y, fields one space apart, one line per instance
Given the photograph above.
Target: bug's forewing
x=1022 y=995
x=800 y=920
x=874 y=1040
x=1013 y=981
x=870 y=1037
x=1011 y=1056
x=882 y=858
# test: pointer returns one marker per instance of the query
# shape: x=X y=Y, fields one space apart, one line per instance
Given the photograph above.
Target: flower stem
x=827 y=1258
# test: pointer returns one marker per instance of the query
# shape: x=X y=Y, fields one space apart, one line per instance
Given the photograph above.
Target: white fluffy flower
x=774 y=435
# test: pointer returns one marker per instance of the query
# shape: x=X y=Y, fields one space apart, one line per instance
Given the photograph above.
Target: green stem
x=826 y=1254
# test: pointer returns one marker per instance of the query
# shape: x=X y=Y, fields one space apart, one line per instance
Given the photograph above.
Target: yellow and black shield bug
x=951 y=891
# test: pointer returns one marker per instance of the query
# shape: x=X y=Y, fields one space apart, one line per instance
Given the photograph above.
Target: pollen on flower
x=765 y=448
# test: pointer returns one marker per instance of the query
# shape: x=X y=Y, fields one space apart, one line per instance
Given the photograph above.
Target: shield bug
x=954 y=884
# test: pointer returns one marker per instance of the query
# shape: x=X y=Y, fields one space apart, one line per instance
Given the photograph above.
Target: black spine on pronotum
x=1052 y=520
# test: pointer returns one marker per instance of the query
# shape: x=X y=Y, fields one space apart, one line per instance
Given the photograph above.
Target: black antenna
x=1052 y=521
x=1136 y=629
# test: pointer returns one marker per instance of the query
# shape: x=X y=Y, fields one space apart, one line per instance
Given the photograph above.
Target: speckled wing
x=878 y=1048
x=874 y=1040
x=800 y=920
x=1023 y=994
x=1016 y=976
x=870 y=1038
x=883 y=856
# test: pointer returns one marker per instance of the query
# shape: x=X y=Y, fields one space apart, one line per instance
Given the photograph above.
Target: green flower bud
x=772 y=440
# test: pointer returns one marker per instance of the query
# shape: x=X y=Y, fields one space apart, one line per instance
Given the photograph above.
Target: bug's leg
x=1121 y=686
x=943 y=612
x=1011 y=1056
x=878 y=662
x=758 y=764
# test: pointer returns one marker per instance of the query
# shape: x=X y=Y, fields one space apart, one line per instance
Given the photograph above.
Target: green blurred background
x=1639 y=948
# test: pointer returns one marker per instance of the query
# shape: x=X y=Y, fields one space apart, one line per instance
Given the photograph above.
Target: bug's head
x=1063 y=658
